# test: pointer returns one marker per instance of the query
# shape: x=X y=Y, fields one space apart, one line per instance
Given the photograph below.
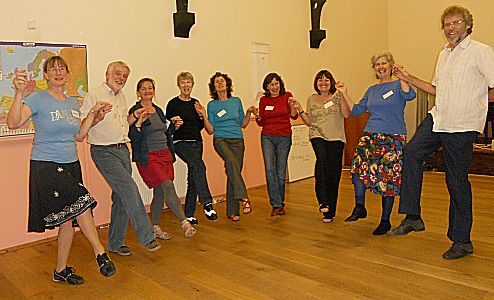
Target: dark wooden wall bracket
x=316 y=33
x=182 y=19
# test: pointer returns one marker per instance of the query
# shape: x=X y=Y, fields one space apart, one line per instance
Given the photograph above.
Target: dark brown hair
x=328 y=75
x=267 y=81
x=229 y=85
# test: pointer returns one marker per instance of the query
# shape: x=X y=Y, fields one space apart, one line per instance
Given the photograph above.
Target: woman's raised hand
x=20 y=81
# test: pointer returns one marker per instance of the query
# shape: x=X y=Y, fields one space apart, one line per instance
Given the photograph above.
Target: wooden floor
x=291 y=257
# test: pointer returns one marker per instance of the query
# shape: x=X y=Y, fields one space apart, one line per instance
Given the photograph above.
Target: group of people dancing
x=58 y=198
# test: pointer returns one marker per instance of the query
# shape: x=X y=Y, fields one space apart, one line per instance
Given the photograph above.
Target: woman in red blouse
x=273 y=115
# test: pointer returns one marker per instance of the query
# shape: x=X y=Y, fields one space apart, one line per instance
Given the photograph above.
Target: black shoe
x=359 y=212
x=406 y=226
x=106 y=266
x=382 y=228
x=458 y=251
x=67 y=275
x=210 y=212
x=192 y=220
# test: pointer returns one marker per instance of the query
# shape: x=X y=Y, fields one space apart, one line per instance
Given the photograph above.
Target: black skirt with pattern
x=56 y=195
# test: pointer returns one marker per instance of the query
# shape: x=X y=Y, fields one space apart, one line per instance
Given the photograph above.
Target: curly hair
x=267 y=81
x=328 y=75
x=229 y=85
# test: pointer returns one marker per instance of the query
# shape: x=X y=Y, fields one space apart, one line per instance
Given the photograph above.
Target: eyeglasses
x=453 y=24
x=54 y=69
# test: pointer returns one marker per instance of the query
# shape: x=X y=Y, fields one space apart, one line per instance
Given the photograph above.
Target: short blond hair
x=184 y=76
x=387 y=55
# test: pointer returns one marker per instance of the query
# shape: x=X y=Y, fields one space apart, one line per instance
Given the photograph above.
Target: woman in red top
x=273 y=115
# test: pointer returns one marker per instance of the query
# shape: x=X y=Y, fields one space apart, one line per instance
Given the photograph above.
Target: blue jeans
x=197 y=183
x=114 y=164
x=275 y=151
x=232 y=153
x=457 y=148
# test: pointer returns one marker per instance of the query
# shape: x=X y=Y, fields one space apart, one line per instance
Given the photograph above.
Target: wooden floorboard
x=291 y=257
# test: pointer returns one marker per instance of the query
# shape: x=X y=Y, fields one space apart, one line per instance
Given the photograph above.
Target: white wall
x=416 y=38
x=141 y=33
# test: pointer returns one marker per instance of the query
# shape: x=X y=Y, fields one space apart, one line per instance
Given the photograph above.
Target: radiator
x=180 y=181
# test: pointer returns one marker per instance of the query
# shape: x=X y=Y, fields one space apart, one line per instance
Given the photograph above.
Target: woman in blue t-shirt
x=376 y=163
x=226 y=115
x=57 y=197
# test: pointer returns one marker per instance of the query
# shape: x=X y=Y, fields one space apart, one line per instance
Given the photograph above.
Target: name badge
x=221 y=113
x=328 y=104
x=269 y=107
x=387 y=94
x=75 y=114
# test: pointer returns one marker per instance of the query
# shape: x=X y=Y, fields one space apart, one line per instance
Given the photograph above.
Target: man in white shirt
x=110 y=153
x=464 y=73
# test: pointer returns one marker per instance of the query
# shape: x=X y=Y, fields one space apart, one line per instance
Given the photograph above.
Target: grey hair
x=118 y=62
x=387 y=55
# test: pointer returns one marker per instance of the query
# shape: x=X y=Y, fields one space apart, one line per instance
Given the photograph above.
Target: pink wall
x=14 y=156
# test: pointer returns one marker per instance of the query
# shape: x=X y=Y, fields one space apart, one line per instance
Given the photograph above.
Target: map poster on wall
x=30 y=56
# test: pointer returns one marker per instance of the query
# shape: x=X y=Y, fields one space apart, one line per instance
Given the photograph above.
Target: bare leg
x=65 y=237
x=86 y=223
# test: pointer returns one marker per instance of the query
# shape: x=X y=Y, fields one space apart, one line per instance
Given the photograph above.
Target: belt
x=116 y=145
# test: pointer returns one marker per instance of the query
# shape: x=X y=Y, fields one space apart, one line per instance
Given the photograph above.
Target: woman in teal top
x=226 y=115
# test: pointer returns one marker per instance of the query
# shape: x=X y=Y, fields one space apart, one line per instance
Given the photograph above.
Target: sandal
x=234 y=218
x=246 y=207
x=188 y=229
x=160 y=234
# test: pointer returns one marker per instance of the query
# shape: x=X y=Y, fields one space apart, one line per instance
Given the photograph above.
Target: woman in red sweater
x=273 y=115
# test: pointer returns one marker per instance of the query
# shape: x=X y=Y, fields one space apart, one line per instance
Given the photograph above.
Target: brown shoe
x=278 y=211
x=153 y=246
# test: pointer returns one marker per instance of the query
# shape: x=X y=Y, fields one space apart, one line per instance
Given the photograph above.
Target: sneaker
x=382 y=228
x=153 y=246
x=192 y=220
x=458 y=250
x=406 y=226
x=122 y=251
x=210 y=212
x=67 y=275
x=106 y=266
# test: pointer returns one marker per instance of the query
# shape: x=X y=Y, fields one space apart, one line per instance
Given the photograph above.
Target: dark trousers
x=197 y=183
x=232 y=153
x=327 y=171
x=457 y=149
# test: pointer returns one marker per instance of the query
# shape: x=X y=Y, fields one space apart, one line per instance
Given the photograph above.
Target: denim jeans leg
x=422 y=144
x=457 y=148
x=114 y=164
x=270 y=163
x=191 y=195
x=191 y=153
x=284 y=143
